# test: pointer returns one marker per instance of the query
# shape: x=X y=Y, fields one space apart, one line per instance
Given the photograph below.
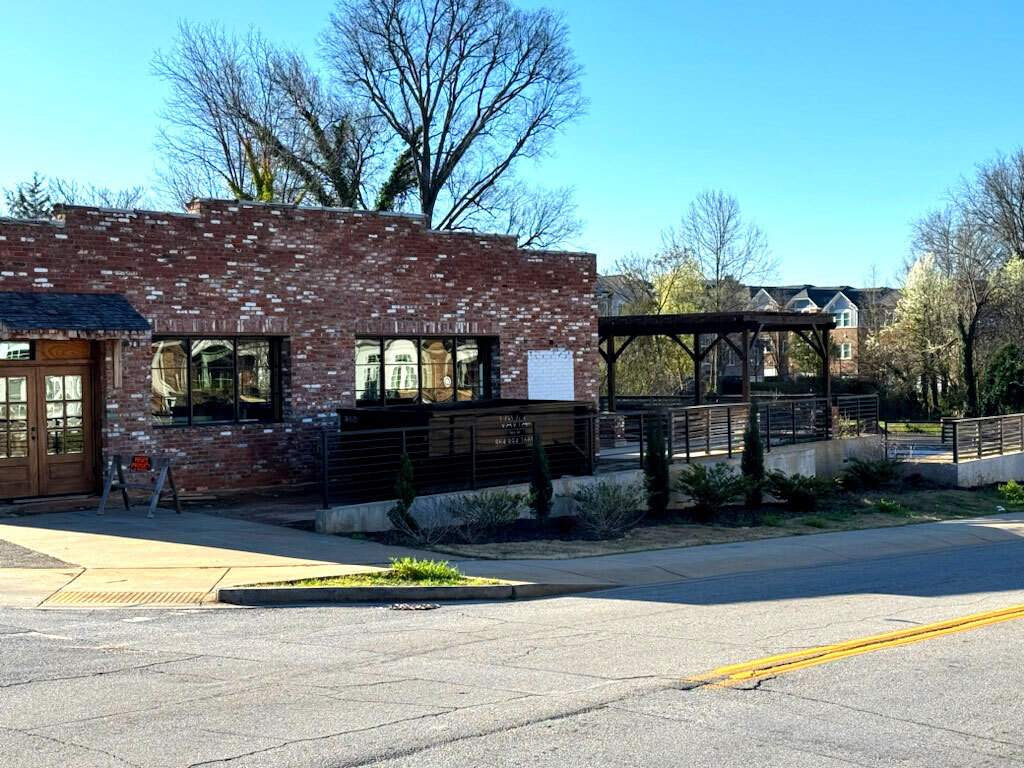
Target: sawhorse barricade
x=114 y=480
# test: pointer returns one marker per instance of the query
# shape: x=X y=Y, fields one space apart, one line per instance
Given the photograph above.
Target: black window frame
x=484 y=352
x=276 y=389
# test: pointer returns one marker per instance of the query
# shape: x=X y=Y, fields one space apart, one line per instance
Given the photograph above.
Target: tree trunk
x=968 y=333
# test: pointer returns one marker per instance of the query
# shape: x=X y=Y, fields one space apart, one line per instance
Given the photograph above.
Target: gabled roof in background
x=821 y=295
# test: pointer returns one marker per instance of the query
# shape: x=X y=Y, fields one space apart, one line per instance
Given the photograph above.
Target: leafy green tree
x=541 y=490
x=400 y=515
x=656 y=468
x=30 y=199
x=1002 y=389
x=752 y=462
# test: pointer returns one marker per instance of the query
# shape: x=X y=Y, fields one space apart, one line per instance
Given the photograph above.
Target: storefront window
x=368 y=369
x=421 y=370
x=437 y=363
x=255 y=380
x=170 y=381
x=401 y=370
x=207 y=381
x=469 y=370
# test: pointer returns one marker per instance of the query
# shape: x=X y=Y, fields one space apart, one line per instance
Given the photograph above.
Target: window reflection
x=438 y=370
x=255 y=381
x=170 y=382
x=213 y=380
x=368 y=369
x=401 y=371
x=469 y=370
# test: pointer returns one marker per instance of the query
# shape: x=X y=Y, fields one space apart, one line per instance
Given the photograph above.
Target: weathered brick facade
x=315 y=277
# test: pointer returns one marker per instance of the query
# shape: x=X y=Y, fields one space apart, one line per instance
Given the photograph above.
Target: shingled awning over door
x=78 y=315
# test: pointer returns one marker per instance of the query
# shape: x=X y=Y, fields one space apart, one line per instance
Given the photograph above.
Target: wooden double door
x=47 y=444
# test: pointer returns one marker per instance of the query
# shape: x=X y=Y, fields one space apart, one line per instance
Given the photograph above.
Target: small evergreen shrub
x=798 y=492
x=656 y=469
x=814 y=521
x=412 y=569
x=541 y=491
x=400 y=515
x=606 y=509
x=752 y=462
x=710 y=486
x=772 y=520
x=870 y=474
x=482 y=515
x=1013 y=492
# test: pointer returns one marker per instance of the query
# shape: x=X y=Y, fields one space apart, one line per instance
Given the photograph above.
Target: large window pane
x=213 y=380
x=469 y=369
x=438 y=370
x=170 y=382
x=368 y=369
x=401 y=372
x=255 y=380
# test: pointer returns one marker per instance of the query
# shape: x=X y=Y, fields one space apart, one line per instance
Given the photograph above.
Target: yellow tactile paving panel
x=111 y=598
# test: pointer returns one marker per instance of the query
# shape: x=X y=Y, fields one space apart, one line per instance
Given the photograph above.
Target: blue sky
x=835 y=124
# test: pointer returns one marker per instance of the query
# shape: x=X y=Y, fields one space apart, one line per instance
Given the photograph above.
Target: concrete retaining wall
x=971 y=474
x=824 y=459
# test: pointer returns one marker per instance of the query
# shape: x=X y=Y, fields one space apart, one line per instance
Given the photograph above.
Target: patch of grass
x=814 y=521
x=772 y=520
x=888 y=507
x=404 y=572
x=915 y=427
x=414 y=569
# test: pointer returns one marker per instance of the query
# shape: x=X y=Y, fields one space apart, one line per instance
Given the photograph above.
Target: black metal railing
x=984 y=437
x=362 y=465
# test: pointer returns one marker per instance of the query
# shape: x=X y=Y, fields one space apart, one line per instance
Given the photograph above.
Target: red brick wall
x=315 y=276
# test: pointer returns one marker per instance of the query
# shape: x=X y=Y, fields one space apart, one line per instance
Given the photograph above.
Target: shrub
x=400 y=515
x=867 y=474
x=541 y=492
x=607 y=509
x=1002 y=387
x=656 y=469
x=752 y=462
x=481 y=515
x=710 y=486
x=1013 y=492
x=815 y=522
x=411 y=569
x=798 y=492
x=885 y=507
x=772 y=520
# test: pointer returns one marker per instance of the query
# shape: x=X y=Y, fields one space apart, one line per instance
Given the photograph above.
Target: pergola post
x=745 y=364
x=610 y=359
x=697 y=361
x=826 y=378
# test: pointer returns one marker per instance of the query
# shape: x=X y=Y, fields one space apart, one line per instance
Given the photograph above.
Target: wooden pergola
x=812 y=327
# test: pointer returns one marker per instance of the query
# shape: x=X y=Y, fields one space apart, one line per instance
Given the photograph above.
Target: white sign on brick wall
x=549 y=374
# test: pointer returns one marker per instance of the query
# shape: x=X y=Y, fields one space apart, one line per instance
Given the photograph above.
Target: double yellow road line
x=770 y=666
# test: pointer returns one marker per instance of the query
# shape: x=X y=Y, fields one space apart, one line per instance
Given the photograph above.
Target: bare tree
x=73 y=193
x=729 y=251
x=996 y=200
x=539 y=217
x=965 y=252
x=470 y=87
x=254 y=121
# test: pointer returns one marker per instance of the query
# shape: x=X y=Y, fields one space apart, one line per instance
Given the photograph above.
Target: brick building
x=244 y=326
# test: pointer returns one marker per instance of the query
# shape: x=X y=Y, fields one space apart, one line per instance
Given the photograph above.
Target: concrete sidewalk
x=126 y=559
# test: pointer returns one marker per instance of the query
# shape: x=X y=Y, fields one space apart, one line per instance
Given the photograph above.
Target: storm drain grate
x=125 y=598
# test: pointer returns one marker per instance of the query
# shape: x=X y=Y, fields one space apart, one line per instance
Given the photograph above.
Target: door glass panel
x=13 y=417
x=63 y=396
x=213 y=380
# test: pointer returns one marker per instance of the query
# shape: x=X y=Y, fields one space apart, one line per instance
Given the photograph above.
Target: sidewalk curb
x=271 y=596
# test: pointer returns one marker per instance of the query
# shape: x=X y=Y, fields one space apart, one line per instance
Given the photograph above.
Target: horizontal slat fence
x=981 y=438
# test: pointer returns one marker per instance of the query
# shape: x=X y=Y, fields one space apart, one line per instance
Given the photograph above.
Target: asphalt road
x=596 y=680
